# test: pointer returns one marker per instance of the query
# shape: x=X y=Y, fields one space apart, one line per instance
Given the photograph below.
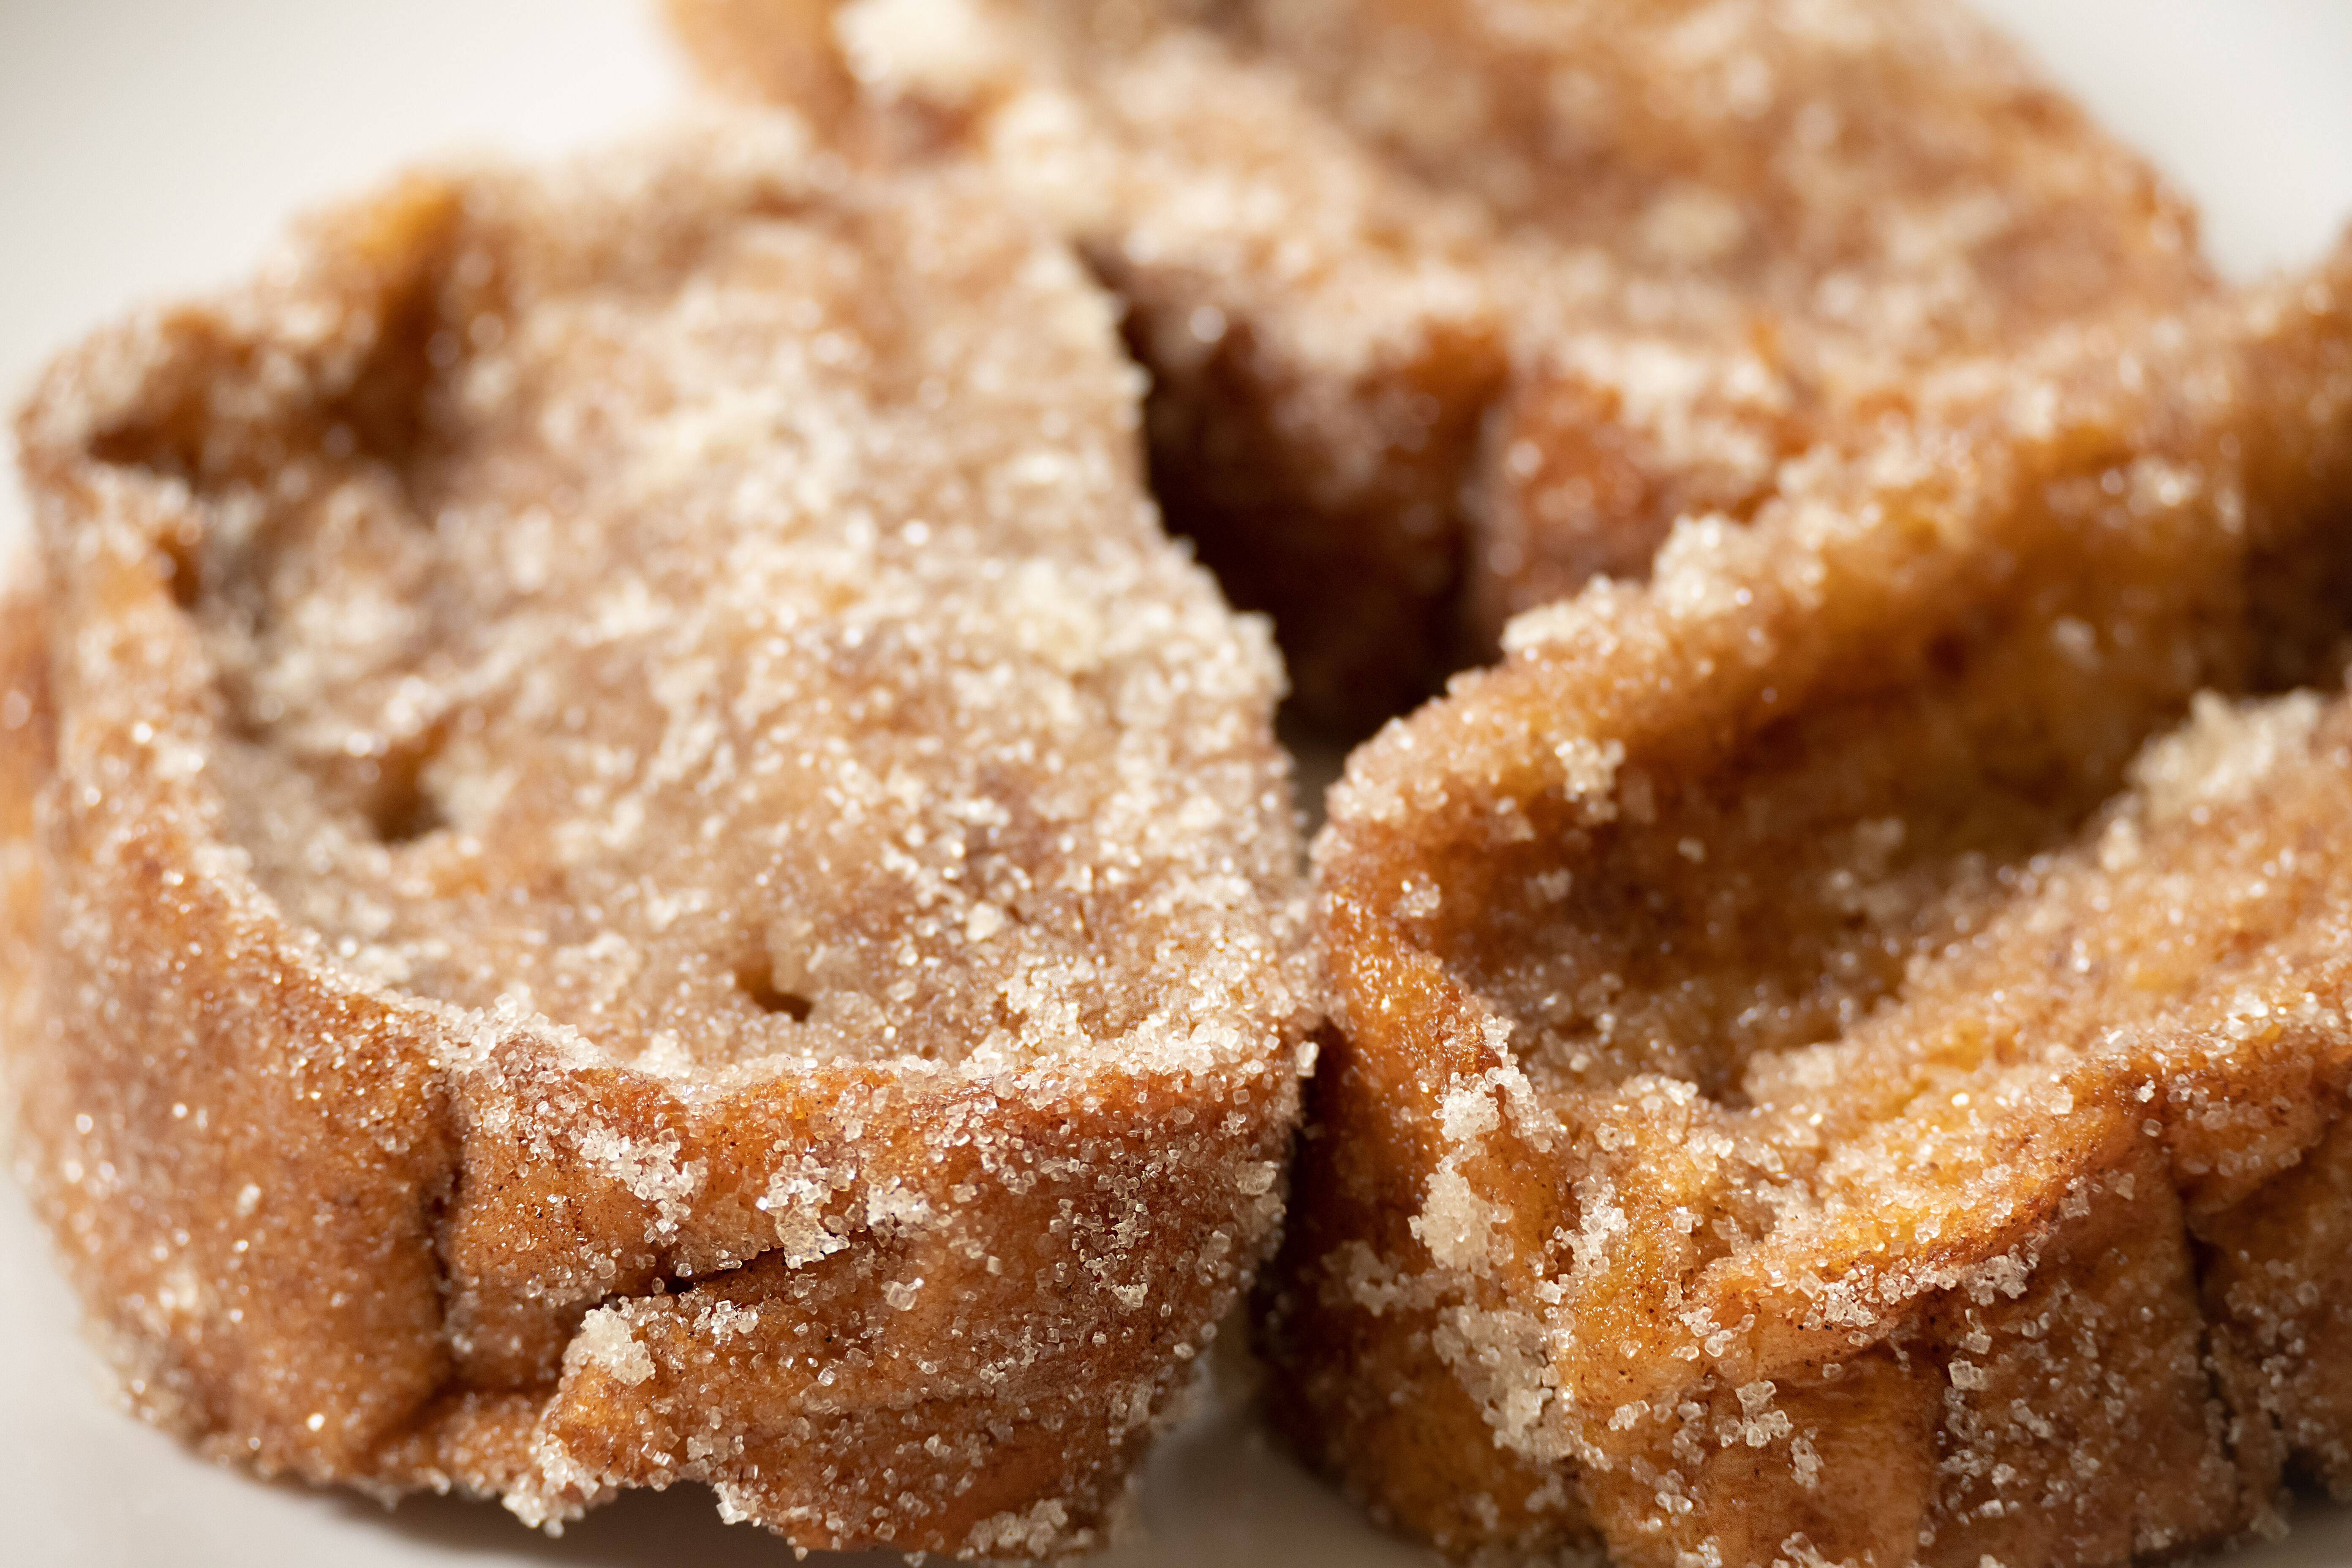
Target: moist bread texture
x=1829 y=1066
x=651 y=869
x=1449 y=304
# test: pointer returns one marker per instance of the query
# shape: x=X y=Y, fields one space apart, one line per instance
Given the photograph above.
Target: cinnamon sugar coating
x=1842 y=1048
x=1665 y=247
x=27 y=743
x=653 y=869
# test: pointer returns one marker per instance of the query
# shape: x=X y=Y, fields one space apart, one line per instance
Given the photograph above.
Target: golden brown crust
x=25 y=717
x=1807 y=1056
x=653 y=871
x=27 y=747
x=781 y=52
x=1346 y=228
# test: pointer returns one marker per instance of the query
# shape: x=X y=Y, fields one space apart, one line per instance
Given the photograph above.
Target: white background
x=147 y=149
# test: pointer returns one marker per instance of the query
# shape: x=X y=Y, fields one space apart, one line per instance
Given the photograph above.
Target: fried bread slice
x=1830 y=1067
x=653 y=871
x=1346 y=228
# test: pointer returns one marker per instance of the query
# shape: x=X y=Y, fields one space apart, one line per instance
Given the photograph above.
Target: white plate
x=151 y=149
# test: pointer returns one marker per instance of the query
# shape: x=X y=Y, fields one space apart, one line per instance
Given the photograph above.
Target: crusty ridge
x=653 y=869
x=1814 y=1082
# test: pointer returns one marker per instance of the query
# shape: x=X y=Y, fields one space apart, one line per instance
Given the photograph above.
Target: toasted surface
x=27 y=744
x=1346 y=228
x=638 y=789
x=1815 y=1074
